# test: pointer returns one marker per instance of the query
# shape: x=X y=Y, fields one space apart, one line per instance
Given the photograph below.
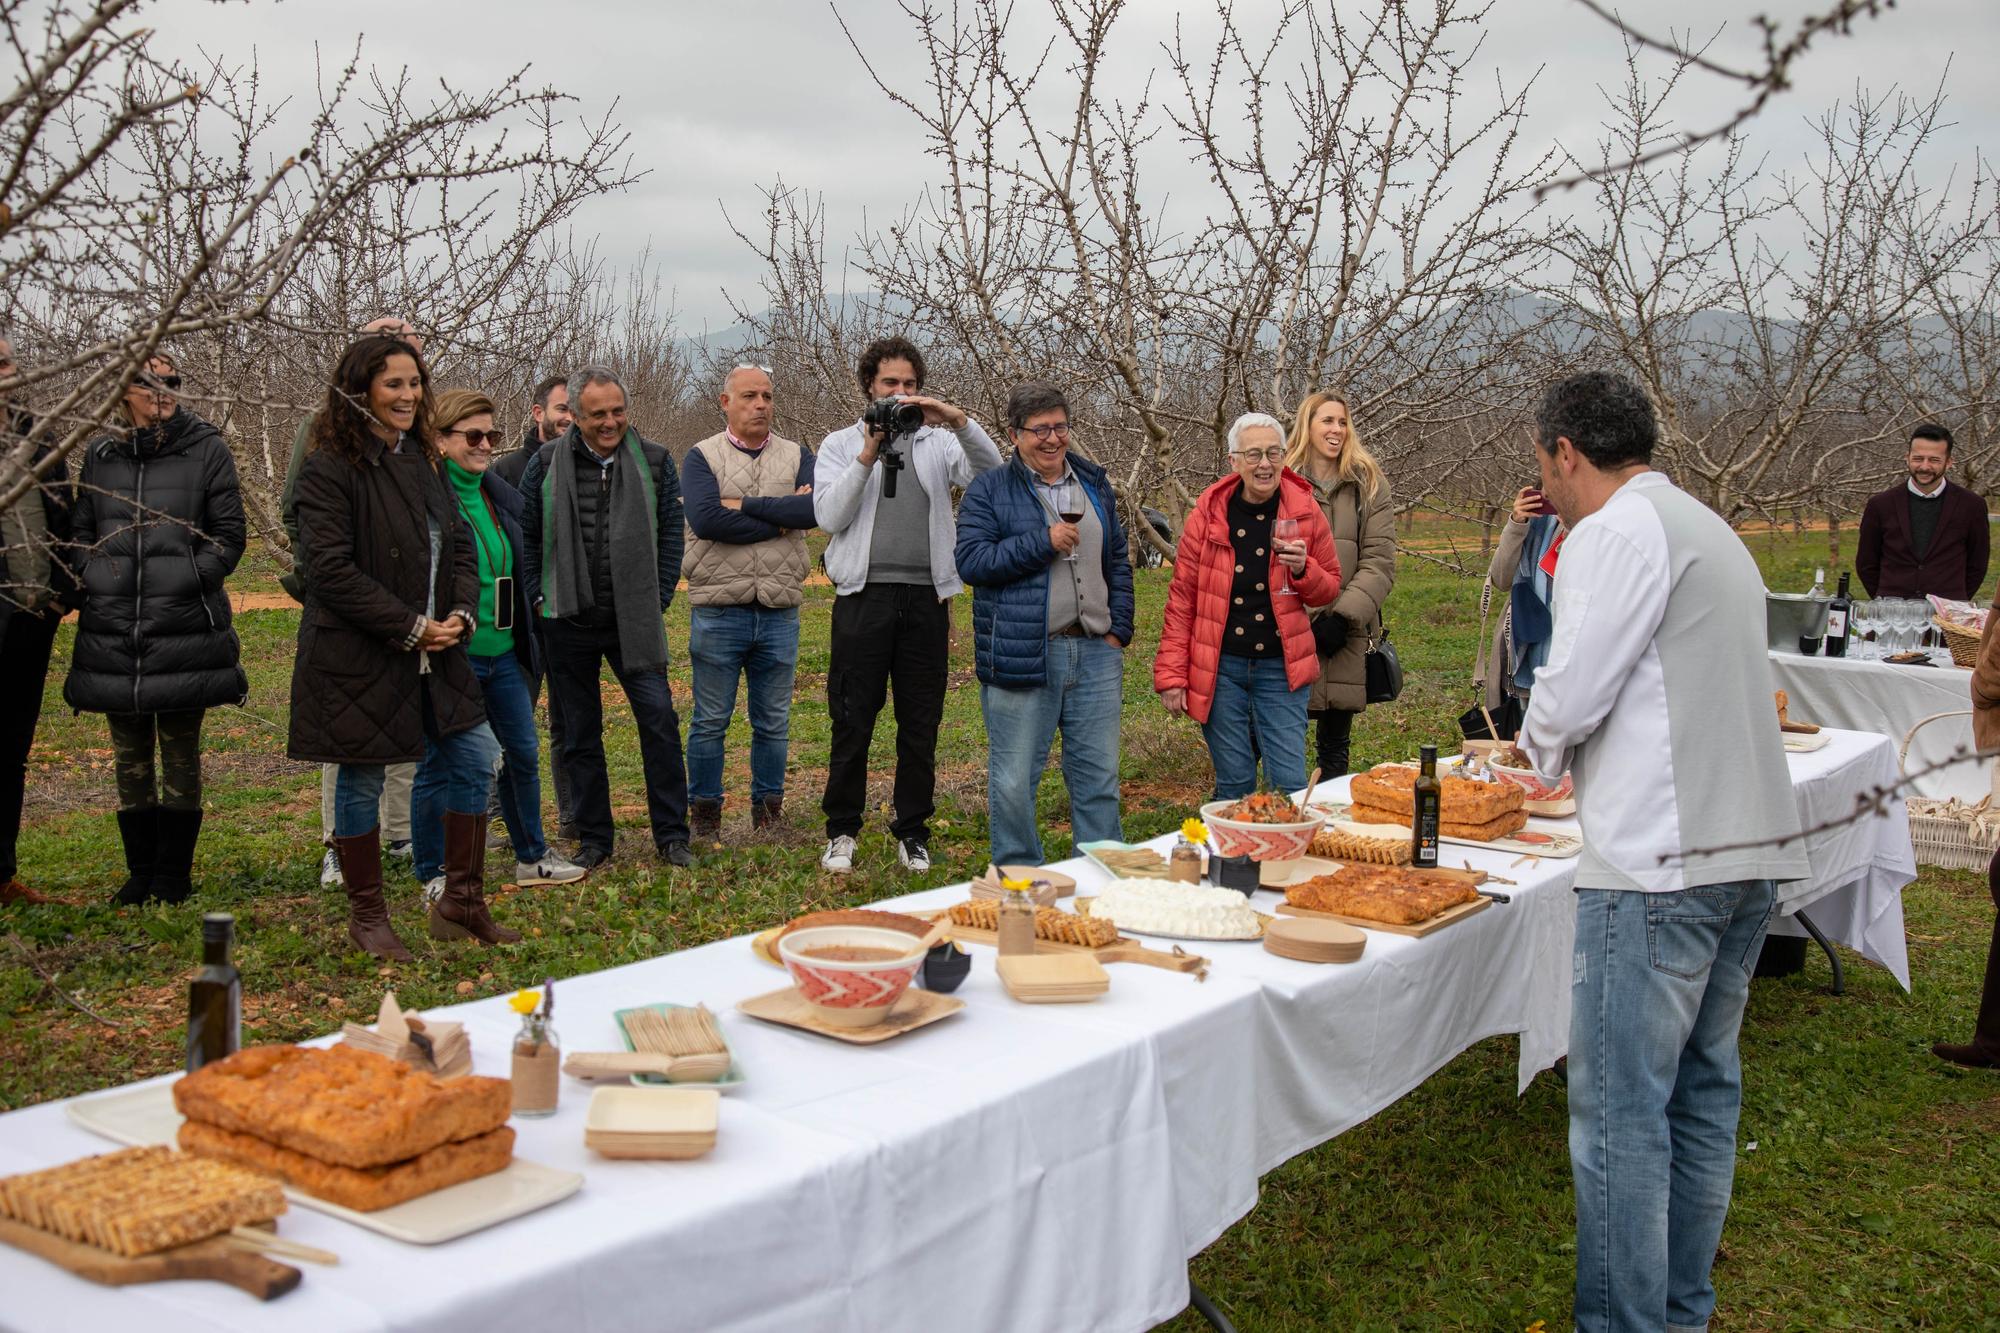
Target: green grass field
x=1868 y=1200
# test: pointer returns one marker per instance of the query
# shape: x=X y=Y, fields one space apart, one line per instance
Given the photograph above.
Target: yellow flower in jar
x=1012 y=884
x=524 y=1001
x=1194 y=830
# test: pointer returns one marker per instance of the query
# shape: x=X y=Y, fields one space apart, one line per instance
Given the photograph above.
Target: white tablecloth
x=1875 y=696
x=1094 y=1147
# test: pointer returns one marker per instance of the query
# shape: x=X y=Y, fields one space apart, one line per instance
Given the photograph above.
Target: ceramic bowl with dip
x=1532 y=784
x=1259 y=842
x=852 y=976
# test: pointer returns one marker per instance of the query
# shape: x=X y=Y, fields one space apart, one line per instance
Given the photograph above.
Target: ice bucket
x=1791 y=616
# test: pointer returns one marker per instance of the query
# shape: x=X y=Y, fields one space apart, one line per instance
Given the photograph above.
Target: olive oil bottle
x=1425 y=808
x=215 y=996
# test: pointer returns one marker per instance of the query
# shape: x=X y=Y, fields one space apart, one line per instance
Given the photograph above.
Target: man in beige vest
x=749 y=502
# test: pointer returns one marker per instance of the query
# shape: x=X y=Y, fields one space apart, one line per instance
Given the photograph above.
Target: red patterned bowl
x=1259 y=842
x=1533 y=786
x=850 y=993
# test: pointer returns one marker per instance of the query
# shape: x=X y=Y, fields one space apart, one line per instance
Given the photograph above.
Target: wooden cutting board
x=1122 y=950
x=1418 y=931
x=215 y=1259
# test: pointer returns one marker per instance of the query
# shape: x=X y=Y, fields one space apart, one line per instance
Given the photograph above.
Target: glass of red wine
x=1069 y=508
x=1285 y=530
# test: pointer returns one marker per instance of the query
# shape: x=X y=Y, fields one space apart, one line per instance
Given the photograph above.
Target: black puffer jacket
x=158 y=526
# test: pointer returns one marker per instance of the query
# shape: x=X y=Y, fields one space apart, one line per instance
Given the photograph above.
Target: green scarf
x=634 y=549
x=496 y=560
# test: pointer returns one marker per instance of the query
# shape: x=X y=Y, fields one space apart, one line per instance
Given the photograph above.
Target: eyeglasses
x=160 y=383
x=478 y=439
x=1058 y=431
x=1255 y=456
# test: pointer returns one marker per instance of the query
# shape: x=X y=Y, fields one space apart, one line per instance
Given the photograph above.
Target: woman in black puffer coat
x=158 y=527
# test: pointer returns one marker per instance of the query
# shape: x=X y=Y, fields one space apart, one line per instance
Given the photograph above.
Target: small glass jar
x=1184 y=865
x=537 y=1068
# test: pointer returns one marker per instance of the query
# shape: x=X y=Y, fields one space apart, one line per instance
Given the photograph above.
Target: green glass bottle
x=215 y=996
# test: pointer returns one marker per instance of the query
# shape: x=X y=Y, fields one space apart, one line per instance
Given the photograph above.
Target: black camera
x=893 y=417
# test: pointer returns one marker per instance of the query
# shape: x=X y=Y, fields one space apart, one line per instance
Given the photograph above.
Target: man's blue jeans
x=1082 y=697
x=510 y=712
x=466 y=759
x=762 y=644
x=1254 y=700
x=1657 y=990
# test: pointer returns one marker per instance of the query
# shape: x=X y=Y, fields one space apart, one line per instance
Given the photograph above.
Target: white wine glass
x=1285 y=530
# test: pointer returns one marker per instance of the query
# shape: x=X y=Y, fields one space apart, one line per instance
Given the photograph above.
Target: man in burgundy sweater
x=1927 y=535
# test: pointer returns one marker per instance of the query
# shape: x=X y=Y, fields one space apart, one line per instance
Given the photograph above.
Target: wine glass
x=1861 y=631
x=1068 y=498
x=1285 y=530
x=1902 y=621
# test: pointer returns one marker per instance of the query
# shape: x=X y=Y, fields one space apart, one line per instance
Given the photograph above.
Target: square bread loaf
x=343 y=1106
x=1392 y=787
x=364 y=1189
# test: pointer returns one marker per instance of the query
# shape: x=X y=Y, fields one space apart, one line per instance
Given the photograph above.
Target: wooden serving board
x=1122 y=950
x=916 y=1009
x=216 y=1259
x=1418 y=931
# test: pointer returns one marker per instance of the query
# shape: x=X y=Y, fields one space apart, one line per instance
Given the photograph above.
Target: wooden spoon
x=1311 y=783
x=935 y=935
x=623 y=1064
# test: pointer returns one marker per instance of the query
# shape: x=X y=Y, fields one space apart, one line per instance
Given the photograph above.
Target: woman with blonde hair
x=1353 y=493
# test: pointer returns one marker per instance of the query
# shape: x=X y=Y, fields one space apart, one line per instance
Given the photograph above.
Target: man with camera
x=889 y=554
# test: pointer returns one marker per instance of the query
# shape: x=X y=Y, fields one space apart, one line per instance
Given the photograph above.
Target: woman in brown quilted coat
x=1983 y=1052
x=1354 y=495
x=381 y=675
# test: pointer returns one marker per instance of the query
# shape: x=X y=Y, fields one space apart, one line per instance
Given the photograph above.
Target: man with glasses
x=1040 y=542
x=35 y=590
x=748 y=495
x=889 y=554
x=397 y=779
x=601 y=538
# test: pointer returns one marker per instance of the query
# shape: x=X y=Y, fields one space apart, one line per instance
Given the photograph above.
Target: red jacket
x=1198 y=598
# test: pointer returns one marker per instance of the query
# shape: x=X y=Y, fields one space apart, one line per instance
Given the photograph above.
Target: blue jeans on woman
x=462 y=764
x=760 y=643
x=1082 y=696
x=1255 y=710
x=1657 y=989
x=510 y=712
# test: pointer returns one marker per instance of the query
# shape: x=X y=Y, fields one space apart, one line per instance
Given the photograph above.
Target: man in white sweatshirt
x=890 y=559
x=1657 y=695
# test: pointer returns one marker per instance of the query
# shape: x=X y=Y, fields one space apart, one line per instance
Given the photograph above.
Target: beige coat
x=1500 y=573
x=1986 y=684
x=1364 y=536
x=771 y=573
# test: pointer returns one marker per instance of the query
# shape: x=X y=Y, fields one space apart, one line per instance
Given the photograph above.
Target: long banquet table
x=1012 y=1167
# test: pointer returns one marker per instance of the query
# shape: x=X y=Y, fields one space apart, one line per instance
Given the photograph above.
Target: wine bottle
x=1808 y=643
x=215 y=996
x=1426 y=807
x=1836 y=621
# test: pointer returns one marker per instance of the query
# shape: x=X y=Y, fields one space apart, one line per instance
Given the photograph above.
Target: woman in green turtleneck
x=502 y=653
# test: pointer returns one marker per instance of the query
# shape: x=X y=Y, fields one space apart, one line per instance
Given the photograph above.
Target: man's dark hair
x=1031 y=400
x=547 y=387
x=1930 y=430
x=887 y=349
x=1607 y=417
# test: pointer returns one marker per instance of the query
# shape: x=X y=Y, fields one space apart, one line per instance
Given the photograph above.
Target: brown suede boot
x=767 y=813
x=367 y=915
x=461 y=912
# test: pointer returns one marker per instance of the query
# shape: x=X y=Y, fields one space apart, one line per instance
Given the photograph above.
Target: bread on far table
x=364 y=1189
x=1494 y=829
x=343 y=1106
x=1392 y=788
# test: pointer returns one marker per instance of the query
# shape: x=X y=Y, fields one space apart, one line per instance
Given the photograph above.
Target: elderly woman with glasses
x=1237 y=653
x=503 y=657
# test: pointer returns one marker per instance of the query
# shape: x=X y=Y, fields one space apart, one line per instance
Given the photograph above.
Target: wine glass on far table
x=1902 y=622
x=1285 y=530
x=1069 y=508
x=1861 y=631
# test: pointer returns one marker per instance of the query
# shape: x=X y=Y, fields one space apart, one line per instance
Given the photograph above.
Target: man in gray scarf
x=601 y=538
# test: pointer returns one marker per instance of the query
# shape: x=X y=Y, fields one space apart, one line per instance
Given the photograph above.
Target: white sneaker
x=402 y=849
x=329 y=870
x=553 y=868
x=916 y=857
x=433 y=891
x=838 y=856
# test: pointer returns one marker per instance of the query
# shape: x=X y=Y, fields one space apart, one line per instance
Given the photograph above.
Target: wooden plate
x=1314 y=940
x=1280 y=874
x=917 y=1008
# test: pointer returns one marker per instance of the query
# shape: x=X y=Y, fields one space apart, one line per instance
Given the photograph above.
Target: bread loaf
x=1491 y=830
x=364 y=1189
x=1392 y=788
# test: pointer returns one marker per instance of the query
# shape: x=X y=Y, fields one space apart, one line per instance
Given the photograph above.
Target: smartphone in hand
x=1540 y=501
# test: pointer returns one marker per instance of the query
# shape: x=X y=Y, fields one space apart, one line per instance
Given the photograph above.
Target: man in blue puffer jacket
x=1040 y=542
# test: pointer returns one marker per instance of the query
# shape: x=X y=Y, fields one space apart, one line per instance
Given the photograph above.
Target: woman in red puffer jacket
x=1237 y=652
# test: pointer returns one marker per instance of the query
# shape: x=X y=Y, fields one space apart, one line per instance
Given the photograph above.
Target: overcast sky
x=722 y=98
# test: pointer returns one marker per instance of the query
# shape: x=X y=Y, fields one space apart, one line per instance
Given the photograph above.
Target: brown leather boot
x=705 y=818
x=767 y=813
x=461 y=912
x=367 y=915
x=1984 y=1050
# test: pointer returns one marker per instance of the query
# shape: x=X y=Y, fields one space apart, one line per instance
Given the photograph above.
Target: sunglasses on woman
x=479 y=439
x=161 y=383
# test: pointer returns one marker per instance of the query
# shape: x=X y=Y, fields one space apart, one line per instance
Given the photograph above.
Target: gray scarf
x=635 y=584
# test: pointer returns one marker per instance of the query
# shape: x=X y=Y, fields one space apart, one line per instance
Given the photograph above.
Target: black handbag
x=1383 y=671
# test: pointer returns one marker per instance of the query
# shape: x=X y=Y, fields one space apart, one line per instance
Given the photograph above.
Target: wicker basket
x=1963 y=642
x=1946 y=832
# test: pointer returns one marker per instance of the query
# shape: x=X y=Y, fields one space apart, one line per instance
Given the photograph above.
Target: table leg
x=1205 y=1307
x=1839 y=982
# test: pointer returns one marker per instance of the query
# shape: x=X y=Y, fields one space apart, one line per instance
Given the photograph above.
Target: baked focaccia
x=1512 y=822
x=1392 y=787
x=1390 y=895
x=344 y=1106
x=363 y=1189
